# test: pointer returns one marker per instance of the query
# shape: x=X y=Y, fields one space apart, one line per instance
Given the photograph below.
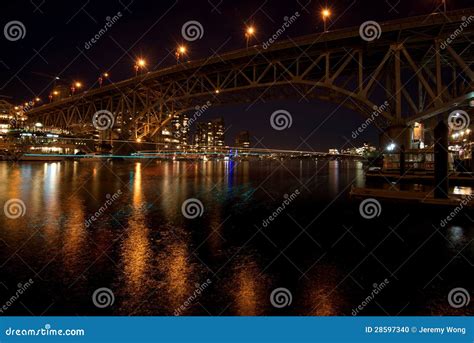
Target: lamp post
x=139 y=64
x=180 y=52
x=249 y=33
x=325 y=13
x=74 y=86
x=53 y=94
x=102 y=78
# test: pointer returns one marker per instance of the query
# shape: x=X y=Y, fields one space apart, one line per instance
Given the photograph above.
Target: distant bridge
x=421 y=66
x=239 y=151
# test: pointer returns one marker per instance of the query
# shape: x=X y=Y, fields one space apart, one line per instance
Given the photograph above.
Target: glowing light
x=37 y=99
x=391 y=147
x=55 y=92
x=250 y=30
x=77 y=84
x=139 y=140
x=217 y=91
x=182 y=49
x=106 y=74
x=326 y=13
x=141 y=63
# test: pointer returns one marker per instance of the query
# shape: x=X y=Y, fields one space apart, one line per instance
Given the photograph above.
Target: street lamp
x=249 y=33
x=325 y=13
x=74 y=86
x=139 y=64
x=180 y=52
x=102 y=77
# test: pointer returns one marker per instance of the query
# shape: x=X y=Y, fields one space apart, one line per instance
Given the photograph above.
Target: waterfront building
x=364 y=150
x=6 y=116
x=242 y=140
x=210 y=134
x=175 y=134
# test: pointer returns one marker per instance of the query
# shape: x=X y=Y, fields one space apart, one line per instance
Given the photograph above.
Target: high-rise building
x=218 y=129
x=210 y=134
x=175 y=134
x=201 y=135
x=242 y=140
x=6 y=115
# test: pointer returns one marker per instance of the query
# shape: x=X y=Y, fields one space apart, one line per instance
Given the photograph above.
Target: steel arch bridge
x=421 y=66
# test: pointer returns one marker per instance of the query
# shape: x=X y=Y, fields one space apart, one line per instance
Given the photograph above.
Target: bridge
x=421 y=66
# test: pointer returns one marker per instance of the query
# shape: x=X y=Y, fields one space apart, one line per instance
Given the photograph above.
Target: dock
x=412 y=197
x=454 y=178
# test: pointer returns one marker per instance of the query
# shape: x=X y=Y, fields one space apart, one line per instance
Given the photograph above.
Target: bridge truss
x=418 y=68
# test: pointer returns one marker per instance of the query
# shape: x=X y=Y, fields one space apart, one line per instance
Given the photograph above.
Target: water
x=228 y=261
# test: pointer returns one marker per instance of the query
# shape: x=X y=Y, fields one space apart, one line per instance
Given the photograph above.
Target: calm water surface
x=228 y=261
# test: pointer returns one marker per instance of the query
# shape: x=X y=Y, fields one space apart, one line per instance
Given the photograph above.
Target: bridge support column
x=441 y=160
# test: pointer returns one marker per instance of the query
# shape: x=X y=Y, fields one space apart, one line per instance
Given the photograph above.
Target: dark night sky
x=56 y=31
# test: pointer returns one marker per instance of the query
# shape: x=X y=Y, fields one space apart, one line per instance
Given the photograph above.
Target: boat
x=41 y=158
x=95 y=156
